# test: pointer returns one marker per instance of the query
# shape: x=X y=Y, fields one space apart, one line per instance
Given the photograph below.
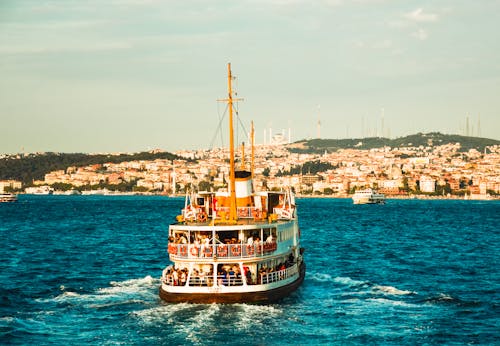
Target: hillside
x=34 y=166
x=419 y=139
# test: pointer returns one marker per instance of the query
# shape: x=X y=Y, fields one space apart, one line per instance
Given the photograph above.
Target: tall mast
x=252 y=139
x=232 y=184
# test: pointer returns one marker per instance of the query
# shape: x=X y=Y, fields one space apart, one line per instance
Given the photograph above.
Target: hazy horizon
x=226 y=145
x=131 y=76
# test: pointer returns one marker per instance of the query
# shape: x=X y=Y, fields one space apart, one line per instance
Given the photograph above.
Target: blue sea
x=85 y=270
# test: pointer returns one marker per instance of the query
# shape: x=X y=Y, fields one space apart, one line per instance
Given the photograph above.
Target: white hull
x=368 y=197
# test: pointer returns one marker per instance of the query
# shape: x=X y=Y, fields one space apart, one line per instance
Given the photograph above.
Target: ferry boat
x=368 y=196
x=234 y=246
x=8 y=197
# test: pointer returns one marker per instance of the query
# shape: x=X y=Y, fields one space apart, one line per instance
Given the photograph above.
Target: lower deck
x=258 y=293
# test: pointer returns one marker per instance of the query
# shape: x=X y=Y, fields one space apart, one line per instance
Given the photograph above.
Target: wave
x=390 y=290
x=162 y=313
x=358 y=284
x=443 y=298
x=385 y=301
x=247 y=315
x=129 y=286
x=345 y=280
x=120 y=292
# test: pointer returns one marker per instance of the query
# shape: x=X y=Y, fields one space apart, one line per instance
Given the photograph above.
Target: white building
x=427 y=184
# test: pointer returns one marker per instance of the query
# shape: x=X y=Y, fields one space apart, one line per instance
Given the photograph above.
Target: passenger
x=175 y=277
x=248 y=276
x=183 y=240
x=237 y=272
x=220 y=281
x=269 y=239
x=250 y=240
x=194 y=278
x=231 y=274
x=225 y=279
x=183 y=278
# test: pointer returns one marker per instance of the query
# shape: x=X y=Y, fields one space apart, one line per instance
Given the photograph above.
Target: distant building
x=12 y=184
x=427 y=184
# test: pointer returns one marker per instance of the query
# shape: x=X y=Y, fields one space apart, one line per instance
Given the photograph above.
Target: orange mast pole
x=232 y=178
x=252 y=138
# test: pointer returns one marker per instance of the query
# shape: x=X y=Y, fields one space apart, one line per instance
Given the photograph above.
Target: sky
x=130 y=75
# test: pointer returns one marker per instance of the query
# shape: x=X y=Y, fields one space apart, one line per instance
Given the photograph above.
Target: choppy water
x=84 y=270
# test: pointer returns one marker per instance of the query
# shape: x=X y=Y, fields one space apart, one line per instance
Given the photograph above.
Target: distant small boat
x=368 y=196
x=39 y=190
x=8 y=197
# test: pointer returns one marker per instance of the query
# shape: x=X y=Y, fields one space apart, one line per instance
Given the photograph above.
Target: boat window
x=229 y=275
x=273 y=200
x=270 y=234
x=200 y=201
x=202 y=276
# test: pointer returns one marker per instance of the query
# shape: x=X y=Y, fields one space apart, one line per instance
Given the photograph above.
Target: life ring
x=222 y=250
x=194 y=251
x=242 y=212
x=250 y=250
x=189 y=215
x=207 y=252
x=286 y=213
x=256 y=214
x=172 y=249
x=183 y=250
x=201 y=217
x=236 y=250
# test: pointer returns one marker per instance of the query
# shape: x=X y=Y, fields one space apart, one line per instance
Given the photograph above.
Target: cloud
x=420 y=34
x=419 y=15
x=65 y=48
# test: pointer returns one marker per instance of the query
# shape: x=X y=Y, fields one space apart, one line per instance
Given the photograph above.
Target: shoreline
x=393 y=197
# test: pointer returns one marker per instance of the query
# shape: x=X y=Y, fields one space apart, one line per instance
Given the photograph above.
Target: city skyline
x=128 y=76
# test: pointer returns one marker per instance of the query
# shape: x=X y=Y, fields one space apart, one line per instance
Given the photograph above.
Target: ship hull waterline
x=260 y=297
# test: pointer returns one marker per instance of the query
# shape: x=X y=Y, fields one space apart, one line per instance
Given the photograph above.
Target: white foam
x=247 y=315
x=120 y=292
x=391 y=290
x=345 y=280
x=443 y=296
x=129 y=286
x=385 y=301
x=162 y=313
x=60 y=298
x=321 y=277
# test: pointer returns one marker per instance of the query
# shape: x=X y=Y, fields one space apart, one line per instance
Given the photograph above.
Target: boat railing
x=230 y=251
x=191 y=213
x=243 y=213
x=229 y=280
x=267 y=278
x=284 y=212
x=201 y=280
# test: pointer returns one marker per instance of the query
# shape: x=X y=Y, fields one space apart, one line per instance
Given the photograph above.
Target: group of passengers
x=204 y=239
x=229 y=277
x=201 y=278
x=175 y=277
x=225 y=276
x=264 y=278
